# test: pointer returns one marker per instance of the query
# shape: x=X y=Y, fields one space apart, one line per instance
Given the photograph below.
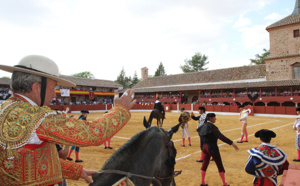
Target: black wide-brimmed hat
x=297 y=109
x=265 y=133
x=241 y=106
x=85 y=111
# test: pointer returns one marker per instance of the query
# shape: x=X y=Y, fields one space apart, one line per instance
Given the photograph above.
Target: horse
x=147 y=158
x=155 y=113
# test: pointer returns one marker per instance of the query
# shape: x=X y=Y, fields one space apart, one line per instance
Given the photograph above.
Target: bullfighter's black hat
x=85 y=111
x=265 y=133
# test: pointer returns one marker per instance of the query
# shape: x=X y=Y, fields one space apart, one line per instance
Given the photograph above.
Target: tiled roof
x=265 y=84
x=213 y=77
x=91 y=82
x=5 y=81
x=291 y=19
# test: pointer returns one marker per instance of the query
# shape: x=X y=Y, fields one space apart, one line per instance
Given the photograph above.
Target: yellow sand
x=234 y=161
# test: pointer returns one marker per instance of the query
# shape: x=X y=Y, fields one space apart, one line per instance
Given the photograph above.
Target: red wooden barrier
x=225 y=108
x=290 y=110
x=233 y=109
x=173 y=107
x=209 y=107
x=167 y=107
x=217 y=108
x=279 y=110
x=259 y=109
x=270 y=110
x=143 y=106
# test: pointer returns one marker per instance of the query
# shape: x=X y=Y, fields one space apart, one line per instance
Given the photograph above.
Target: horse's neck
x=145 y=159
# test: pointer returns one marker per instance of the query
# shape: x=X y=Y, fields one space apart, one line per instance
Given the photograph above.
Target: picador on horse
x=159 y=106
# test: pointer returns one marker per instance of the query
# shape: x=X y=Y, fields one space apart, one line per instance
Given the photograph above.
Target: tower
x=284 y=35
x=144 y=72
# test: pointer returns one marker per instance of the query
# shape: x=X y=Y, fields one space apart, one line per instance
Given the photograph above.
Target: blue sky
x=103 y=36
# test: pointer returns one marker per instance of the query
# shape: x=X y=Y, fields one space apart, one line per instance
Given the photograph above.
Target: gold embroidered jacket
x=26 y=164
x=242 y=115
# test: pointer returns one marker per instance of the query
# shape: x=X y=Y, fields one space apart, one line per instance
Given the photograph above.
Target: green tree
x=123 y=80
x=127 y=81
x=160 y=70
x=196 y=64
x=6 y=77
x=135 y=80
x=260 y=59
x=85 y=74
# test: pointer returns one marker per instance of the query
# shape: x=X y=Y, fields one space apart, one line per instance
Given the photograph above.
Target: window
x=297 y=72
x=296 y=33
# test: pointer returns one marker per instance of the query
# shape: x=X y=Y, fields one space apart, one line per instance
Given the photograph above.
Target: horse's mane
x=144 y=154
x=130 y=147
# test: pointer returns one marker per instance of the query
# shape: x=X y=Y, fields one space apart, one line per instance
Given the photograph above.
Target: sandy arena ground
x=234 y=161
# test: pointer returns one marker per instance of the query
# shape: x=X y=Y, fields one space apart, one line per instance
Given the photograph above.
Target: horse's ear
x=146 y=124
x=173 y=130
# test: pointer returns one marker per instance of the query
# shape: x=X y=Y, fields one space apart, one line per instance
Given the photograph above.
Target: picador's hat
x=40 y=66
x=297 y=109
x=265 y=133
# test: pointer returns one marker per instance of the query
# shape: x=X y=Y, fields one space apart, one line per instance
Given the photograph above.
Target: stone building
x=284 y=60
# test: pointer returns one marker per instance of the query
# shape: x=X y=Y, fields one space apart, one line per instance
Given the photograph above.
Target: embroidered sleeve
x=70 y=170
x=245 y=116
x=70 y=131
x=250 y=166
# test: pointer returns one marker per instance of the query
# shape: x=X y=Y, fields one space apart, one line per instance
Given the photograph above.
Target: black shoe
x=204 y=185
x=245 y=141
x=105 y=147
x=296 y=160
x=190 y=144
x=70 y=159
x=109 y=147
x=78 y=161
x=182 y=145
x=199 y=161
x=239 y=141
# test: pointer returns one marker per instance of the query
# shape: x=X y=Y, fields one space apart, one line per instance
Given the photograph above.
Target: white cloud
x=242 y=22
x=255 y=37
x=273 y=17
x=224 y=47
x=104 y=36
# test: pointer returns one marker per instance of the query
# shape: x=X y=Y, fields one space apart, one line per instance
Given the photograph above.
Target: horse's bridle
x=156 y=178
x=171 y=155
x=129 y=175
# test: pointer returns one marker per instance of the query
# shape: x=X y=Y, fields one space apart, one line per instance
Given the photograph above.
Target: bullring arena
x=234 y=161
